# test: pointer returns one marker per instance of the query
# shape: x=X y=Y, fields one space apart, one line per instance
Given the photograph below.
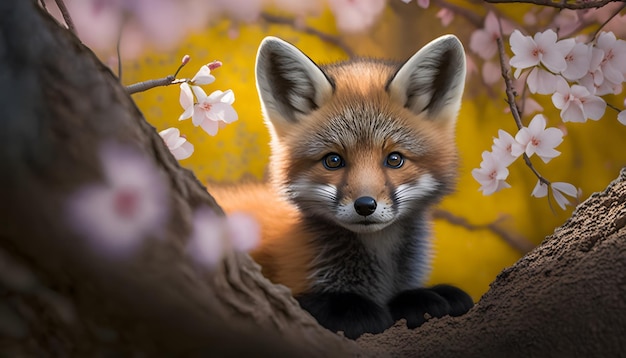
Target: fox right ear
x=431 y=82
x=290 y=84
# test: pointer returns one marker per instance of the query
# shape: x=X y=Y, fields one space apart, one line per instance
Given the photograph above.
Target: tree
x=59 y=105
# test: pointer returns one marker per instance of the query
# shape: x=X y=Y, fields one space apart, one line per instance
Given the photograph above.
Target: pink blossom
x=578 y=61
x=492 y=174
x=178 y=146
x=215 y=236
x=491 y=72
x=244 y=231
x=614 y=62
x=536 y=139
x=186 y=101
x=208 y=240
x=446 y=16
x=356 y=16
x=558 y=189
x=621 y=117
x=577 y=104
x=130 y=205
x=543 y=49
x=424 y=4
x=483 y=41
x=210 y=110
x=503 y=148
x=541 y=81
x=217 y=107
x=203 y=77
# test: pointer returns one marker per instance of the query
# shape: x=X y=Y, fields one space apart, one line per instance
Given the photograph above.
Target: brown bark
x=58 y=103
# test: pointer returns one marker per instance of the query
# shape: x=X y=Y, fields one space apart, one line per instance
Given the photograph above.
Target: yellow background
x=592 y=152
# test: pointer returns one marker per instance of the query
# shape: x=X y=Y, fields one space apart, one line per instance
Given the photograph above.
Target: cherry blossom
x=536 y=139
x=215 y=236
x=503 y=147
x=356 y=16
x=491 y=72
x=446 y=16
x=577 y=104
x=178 y=146
x=621 y=117
x=186 y=101
x=558 y=191
x=245 y=232
x=424 y=4
x=212 y=109
x=115 y=216
x=578 y=62
x=483 y=41
x=492 y=174
x=614 y=61
x=541 y=81
x=543 y=49
x=203 y=77
x=208 y=237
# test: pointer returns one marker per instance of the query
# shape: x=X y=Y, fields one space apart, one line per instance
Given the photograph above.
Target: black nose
x=365 y=205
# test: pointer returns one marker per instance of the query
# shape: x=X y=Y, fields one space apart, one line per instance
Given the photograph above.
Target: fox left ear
x=432 y=80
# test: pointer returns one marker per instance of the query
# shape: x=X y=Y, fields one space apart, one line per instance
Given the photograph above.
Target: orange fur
x=280 y=252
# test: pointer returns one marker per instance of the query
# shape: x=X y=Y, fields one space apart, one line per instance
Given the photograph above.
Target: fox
x=361 y=152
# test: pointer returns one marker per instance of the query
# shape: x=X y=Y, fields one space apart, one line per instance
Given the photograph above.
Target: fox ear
x=289 y=83
x=432 y=80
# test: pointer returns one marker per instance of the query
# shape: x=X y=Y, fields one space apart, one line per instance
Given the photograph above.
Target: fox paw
x=348 y=312
x=438 y=301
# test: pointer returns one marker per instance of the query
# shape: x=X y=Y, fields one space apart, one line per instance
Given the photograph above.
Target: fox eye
x=333 y=161
x=394 y=160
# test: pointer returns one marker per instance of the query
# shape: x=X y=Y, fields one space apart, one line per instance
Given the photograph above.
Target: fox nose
x=365 y=205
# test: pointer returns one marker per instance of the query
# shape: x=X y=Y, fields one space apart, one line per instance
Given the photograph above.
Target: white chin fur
x=363 y=228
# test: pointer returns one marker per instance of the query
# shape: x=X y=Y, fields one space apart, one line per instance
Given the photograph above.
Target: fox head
x=362 y=143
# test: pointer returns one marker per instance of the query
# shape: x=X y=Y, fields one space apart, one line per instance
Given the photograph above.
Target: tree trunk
x=58 y=104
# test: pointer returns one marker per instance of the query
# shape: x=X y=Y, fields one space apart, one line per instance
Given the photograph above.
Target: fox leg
x=437 y=301
x=348 y=312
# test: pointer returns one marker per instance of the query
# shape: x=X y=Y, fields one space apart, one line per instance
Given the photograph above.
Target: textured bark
x=58 y=103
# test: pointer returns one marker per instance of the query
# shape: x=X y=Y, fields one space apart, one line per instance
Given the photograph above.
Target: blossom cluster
x=535 y=139
x=210 y=112
x=132 y=203
x=574 y=73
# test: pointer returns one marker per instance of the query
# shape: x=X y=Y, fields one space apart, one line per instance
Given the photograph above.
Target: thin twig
x=561 y=4
x=118 y=46
x=518 y=242
x=146 y=85
x=470 y=16
x=309 y=30
x=66 y=16
x=510 y=93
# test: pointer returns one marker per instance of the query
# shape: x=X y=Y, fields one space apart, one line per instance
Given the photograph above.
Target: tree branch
x=559 y=4
x=66 y=16
x=308 y=30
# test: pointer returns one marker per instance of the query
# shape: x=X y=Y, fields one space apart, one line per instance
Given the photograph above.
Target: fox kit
x=361 y=151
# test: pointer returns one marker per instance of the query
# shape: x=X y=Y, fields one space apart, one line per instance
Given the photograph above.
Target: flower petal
x=186 y=97
x=203 y=77
x=540 y=190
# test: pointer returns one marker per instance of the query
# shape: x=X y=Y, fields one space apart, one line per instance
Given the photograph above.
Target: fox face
x=362 y=144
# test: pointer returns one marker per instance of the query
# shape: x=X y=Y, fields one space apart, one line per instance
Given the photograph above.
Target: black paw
x=438 y=301
x=460 y=302
x=348 y=312
x=412 y=305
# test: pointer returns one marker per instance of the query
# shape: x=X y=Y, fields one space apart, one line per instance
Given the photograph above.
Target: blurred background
x=476 y=236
